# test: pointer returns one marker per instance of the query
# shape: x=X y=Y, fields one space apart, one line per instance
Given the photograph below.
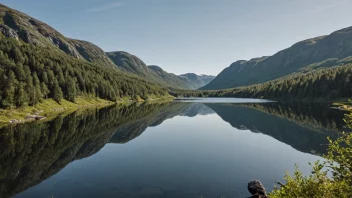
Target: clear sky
x=200 y=36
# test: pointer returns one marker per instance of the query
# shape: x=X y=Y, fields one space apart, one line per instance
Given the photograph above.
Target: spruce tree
x=9 y=88
x=71 y=89
x=57 y=92
x=44 y=89
x=37 y=97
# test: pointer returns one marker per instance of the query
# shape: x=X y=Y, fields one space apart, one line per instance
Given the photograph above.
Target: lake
x=182 y=149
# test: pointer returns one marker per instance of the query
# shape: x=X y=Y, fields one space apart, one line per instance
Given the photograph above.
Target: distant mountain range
x=311 y=54
x=132 y=64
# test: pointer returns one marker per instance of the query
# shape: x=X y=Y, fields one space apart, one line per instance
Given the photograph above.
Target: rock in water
x=257 y=189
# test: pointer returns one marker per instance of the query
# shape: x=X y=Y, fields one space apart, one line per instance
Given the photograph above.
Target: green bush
x=329 y=179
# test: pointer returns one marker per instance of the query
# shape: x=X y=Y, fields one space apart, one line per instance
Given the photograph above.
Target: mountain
x=187 y=81
x=129 y=63
x=92 y=53
x=37 y=62
x=134 y=65
x=23 y=27
x=197 y=81
x=170 y=78
x=311 y=54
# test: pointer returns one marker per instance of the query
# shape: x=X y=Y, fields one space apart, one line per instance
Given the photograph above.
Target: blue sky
x=200 y=36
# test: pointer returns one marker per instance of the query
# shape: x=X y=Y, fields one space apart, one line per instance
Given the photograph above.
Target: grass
x=50 y=109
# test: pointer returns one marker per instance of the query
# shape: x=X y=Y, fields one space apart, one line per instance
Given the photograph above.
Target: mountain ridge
x=311 y=53
x=134 y=65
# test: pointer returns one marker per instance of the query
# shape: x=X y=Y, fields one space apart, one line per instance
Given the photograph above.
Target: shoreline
x=49 y=109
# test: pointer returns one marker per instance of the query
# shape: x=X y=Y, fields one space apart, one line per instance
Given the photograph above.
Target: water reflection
x=304 y=126
x=31 y=153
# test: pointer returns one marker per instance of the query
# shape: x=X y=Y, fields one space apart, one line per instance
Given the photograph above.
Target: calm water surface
x=163 y=150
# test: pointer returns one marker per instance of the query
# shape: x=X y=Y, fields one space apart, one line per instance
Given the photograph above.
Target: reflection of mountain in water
x=284 y=124
x=31 y=153
x=132 y=129
x=195 y=109
x=315 y=116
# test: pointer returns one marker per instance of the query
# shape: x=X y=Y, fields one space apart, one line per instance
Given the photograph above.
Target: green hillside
x=320 y=52
x=37 y=62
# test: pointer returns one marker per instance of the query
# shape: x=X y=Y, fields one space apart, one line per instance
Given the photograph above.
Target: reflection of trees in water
x=31 y=153
x=316 y=116
x=298 y=127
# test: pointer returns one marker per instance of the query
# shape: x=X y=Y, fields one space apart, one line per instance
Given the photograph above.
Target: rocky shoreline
x=29 y=117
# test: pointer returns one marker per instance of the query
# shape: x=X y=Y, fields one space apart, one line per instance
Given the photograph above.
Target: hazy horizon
x=201 y=36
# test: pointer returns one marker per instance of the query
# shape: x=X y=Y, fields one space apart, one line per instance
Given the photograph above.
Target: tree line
x=327 y=83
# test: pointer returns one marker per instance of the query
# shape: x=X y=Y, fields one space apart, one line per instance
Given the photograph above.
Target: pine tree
x=20 y=72
x=37 y=94
x=57 y=92
x=21 y=97
x=45 y=77
x=10 y=83
x=30 y=90
x=71 y=89
x=44 y=89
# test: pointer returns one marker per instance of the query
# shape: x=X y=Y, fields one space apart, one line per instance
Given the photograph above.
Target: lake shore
x=49 y=109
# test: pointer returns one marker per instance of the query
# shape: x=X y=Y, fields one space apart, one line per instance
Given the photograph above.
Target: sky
x=191 y=36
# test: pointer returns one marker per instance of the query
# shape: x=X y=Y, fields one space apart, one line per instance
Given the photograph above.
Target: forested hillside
x=330 y=83
x=31 y=73
x=324 y=83
x=37 y=62
x=320 y=52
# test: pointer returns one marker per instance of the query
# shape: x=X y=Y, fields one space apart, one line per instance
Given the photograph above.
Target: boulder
x=257 y=189
x=8 y=32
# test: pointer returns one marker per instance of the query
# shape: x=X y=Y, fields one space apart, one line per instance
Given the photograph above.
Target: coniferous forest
x=327 y=83
x=32 y=73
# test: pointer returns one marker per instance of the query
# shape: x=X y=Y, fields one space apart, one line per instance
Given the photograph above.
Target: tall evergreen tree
x=21 y=97
x=37 y=94
x=71 y=89
x=9 y=88
x=57 y=92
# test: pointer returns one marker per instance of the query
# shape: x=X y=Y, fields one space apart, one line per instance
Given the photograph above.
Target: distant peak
x=118 y=52
x=196 y=75
x=155 y=68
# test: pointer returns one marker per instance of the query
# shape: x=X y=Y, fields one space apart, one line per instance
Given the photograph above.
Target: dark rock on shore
x=257 y=189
